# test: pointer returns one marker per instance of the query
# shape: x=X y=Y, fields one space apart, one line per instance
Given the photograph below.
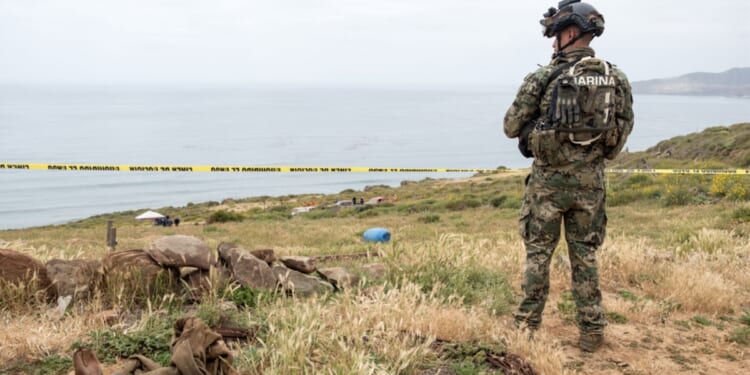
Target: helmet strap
x=560 y=48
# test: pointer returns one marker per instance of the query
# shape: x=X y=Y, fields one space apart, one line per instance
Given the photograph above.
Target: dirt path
x=677 y=346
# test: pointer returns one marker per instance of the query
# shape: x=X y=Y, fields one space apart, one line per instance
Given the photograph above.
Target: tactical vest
x=581 y=112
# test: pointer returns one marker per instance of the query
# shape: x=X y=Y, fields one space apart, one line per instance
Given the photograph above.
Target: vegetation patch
x=223 y=216
x=472 y=283
x=741 y=214
x=151 y=340
x=627 y=295
x=567 y=306
x=50 y=365
x=740 y=336
x=616 y=317
x=459 y=204
x=427 y=219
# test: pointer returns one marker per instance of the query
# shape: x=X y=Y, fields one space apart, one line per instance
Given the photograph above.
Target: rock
x=224 y=246
x=86 y=363
x=248 y=270
x=201 y=281
x=301 y=264
x=18 y=268
x=297 y=283
x=130 y=264
x=57 y=312
x=183 y=251
x=266 y=255
x=340 y=277
x=374 y=270
x=77 y=277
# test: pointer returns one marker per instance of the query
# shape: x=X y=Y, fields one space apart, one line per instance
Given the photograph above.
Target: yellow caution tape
x=680 y=171
x=229 y=168
x=302 y=169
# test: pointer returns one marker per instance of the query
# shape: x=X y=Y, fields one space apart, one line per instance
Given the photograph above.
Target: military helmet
x=572 y=12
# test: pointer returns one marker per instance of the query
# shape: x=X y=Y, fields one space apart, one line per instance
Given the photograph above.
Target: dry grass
x=676 y=276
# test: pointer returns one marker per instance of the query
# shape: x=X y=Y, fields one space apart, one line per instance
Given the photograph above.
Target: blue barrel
x=377 y=235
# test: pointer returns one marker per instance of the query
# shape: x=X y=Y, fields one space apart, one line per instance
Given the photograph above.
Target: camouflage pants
x=550 y=201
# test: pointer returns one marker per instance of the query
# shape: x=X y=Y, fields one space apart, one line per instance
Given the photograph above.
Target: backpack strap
x=556 y=73
x=607 y=101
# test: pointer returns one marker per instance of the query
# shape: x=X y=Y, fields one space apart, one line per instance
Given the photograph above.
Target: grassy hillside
x=673 y=271
x=716 y=147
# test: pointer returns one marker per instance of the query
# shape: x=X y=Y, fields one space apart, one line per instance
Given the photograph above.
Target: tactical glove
x=523 y=139
x=567 y=110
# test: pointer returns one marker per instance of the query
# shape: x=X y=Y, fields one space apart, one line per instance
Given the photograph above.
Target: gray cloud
x=347 y=41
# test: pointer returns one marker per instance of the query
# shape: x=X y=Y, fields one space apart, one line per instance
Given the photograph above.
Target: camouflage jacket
x=532 y=103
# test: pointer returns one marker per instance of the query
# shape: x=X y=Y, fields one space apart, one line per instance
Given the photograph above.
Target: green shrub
x=740 y=336
x=510 y=202
x=498 y=201
x=732 y=187
x=627 y=295
x=462 y=204
x=741 y=215
x=223 y=216
x=152 y=341
x=616 y=317
x=251 y=298
x=419 y=207
x=702 y=320
x=683 y=194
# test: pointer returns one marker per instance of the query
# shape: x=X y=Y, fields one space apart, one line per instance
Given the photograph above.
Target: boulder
x=183 y=251
x=297 y=283
x=340 y=277
x=301 y=264
x=18 y=268
x=129 y=264
x=200 y=281
x=86 y=363
x=374 y=270
x=266 y=255
x=223 y=247
x=248 y=270
x=77 y=277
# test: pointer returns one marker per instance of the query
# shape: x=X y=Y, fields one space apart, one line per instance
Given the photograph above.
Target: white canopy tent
x=149 y=215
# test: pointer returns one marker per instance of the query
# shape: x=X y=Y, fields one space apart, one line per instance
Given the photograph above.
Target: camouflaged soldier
x=570 y=116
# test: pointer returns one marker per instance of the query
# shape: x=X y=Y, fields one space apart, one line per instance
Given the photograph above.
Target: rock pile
x=189 y=259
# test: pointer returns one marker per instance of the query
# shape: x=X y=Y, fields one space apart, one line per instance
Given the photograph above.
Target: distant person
x=354 y=201
x=177 y=221
x=166 y=222
x=361 y=200
x=569 y=116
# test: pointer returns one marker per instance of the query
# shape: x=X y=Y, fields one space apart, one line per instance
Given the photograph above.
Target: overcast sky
x=348 y=42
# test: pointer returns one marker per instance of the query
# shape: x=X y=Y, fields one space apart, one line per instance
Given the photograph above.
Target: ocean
x=367 y=127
